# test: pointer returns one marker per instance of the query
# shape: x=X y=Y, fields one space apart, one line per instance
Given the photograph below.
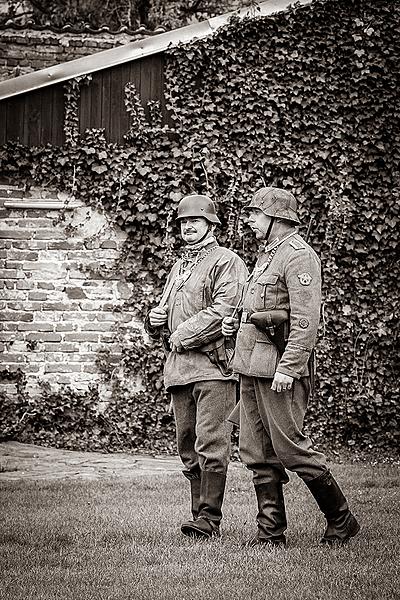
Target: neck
x=279 y=230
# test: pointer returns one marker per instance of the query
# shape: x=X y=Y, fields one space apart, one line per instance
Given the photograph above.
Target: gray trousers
x=271 y=438
x=202 y=431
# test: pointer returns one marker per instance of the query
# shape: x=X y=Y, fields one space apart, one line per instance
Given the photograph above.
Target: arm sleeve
x=227 y=278
x=303 y=280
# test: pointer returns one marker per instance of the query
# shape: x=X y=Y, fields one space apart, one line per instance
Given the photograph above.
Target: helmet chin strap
x=269 y=228
x=207 y=233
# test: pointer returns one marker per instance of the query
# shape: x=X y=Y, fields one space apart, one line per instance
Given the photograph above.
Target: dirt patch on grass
x=27 y=461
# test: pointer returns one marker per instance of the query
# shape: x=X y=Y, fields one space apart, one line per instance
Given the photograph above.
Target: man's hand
x=175 y=342
x=158 y=316
x=230 y=325
x=281 y=382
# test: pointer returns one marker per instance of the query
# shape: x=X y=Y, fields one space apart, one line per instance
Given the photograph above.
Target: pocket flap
x=270 y=279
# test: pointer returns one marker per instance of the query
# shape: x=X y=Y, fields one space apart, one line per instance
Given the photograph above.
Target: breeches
x=271 y=438
x=202 y=431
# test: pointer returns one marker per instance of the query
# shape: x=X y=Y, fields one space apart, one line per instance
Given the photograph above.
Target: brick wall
x=60 y=297
x=25 y=50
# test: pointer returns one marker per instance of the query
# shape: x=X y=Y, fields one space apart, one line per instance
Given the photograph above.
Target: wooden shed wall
x=37 y=117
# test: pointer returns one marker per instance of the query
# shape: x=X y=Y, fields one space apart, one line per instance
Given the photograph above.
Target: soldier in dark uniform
x=283 y=292
x=203 y=287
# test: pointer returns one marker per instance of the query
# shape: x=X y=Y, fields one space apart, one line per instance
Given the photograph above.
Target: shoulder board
x=297 y=245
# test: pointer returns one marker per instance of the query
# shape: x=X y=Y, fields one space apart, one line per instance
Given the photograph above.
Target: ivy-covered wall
x=305 y=100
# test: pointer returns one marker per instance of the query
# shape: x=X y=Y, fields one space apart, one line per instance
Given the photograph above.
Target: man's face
x=259 y=222
x=193 y=229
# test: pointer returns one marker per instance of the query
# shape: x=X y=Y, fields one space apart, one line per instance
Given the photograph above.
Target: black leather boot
x=212 y=490
x=195 y=480
x=271 y=518
x=341 y=523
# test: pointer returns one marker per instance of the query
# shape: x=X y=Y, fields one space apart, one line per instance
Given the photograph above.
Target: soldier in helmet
x=275 y=339
x=203 y=287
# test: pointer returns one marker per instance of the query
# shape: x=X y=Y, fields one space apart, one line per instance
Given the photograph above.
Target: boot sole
x=352 y=533
x=194 y=532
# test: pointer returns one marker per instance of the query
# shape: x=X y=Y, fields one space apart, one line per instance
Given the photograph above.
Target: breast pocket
x=267 y=291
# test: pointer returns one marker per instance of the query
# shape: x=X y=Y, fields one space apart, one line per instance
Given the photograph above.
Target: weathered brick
x=49 y=234
x=10 y=337
x=90 y=306
x=90 y=368
x=106 y=326
x=8 y=358
x=65 y=327
x=66 y=245
x=31 y=306
x=109 y=244
x=44 y=337
x=63 y=347
x=11 y=274
x=16 y=316
x=37 y=296
x=81 y=337
x=75 y=293
x=60 y=306
x=45 y=285
x=35 y=326
x=35 y=223
x=33 y=245
x=12 y=234
x=107 y=316
x=106 y=338
x=17 y=254
x=78 y=316
x=62 y=368
x=25 y=284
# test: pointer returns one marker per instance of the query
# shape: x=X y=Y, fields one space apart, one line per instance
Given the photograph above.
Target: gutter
x=134 y=50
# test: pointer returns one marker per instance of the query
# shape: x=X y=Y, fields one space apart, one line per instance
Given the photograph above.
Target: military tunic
x=203 y=394
x=288 y=278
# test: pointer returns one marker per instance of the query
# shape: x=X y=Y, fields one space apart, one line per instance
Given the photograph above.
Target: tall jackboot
x=195 y=482
x=341 y=523
x=271 y=518
x=212 y=490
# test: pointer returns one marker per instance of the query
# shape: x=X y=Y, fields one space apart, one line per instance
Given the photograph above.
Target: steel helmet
x=197 y=206
x=275 y=202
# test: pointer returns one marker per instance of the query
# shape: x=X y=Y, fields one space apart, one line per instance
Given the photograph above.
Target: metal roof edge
x=134 y=50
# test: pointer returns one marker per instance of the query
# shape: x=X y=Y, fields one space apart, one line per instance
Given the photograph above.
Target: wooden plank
x=16 y=118
x=124 y=117
x=95 y=93
x=57 y=117
x=135 y=74
x=33 y=118
x=157 y=80
x=84 y=112
x=116 y=104
x=46 y=131
x=3 y=122
x=106 y=102
x=145 y=81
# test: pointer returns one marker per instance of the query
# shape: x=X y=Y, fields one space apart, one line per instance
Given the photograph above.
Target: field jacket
x=195 y=312
x=292 y=281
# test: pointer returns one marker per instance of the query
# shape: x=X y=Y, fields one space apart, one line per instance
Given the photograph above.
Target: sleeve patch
x=305 y=278
x=304 y=323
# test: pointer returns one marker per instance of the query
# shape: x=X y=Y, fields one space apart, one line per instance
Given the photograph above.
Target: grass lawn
x=119 y=539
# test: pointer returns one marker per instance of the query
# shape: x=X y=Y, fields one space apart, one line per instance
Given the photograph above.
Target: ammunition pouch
x=274 y=324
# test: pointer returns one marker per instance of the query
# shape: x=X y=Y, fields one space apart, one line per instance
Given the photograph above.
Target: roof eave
x=133 y=50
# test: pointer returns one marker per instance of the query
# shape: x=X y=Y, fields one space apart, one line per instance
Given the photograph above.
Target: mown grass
x=119 y=539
